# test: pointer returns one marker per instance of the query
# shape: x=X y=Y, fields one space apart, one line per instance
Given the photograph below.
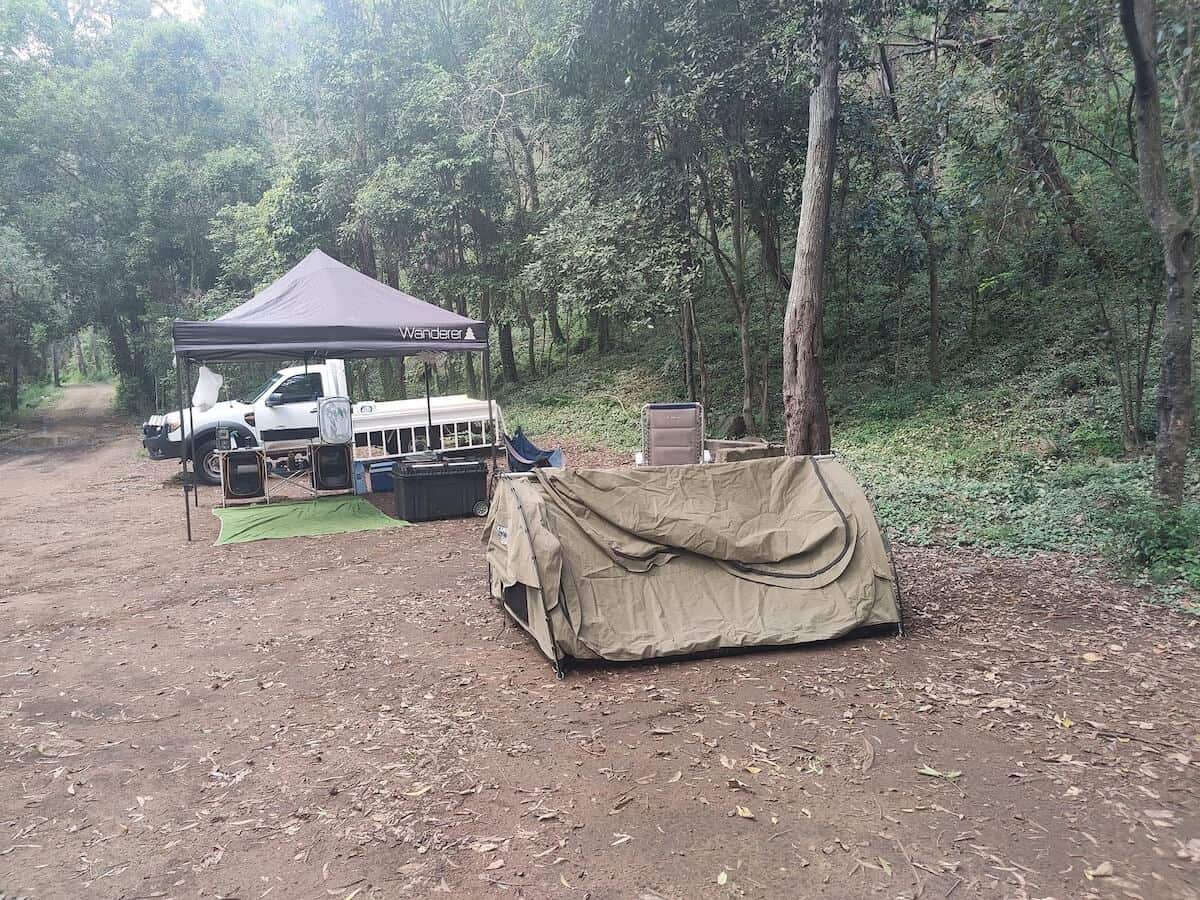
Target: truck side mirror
x=275 y=399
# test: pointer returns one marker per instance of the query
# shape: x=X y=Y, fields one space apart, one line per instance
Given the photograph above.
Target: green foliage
x=1162 y=543
x=595 y=401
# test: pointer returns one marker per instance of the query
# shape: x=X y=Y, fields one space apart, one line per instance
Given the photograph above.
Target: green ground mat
x=325 y=515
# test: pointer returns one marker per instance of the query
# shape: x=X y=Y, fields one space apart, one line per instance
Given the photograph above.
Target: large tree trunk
x=804 y=405
x=1175 y=394
x=55 y=375
x=14 y=388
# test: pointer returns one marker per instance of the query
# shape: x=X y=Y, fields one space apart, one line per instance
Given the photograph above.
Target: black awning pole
x=487 y=392
x=428 y=414
x=192 y=436
x=187 y=511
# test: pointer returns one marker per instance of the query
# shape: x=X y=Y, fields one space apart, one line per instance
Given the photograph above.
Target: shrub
x=1160 y=541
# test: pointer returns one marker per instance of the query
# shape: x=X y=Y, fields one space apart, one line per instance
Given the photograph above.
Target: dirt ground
x=351 y=717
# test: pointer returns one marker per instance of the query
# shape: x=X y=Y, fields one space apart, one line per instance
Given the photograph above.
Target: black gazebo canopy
x=323 y=308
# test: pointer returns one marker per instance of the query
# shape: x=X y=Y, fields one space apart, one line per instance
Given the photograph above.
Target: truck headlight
x=173 y=427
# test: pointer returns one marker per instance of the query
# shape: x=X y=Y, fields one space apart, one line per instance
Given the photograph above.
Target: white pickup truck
x=284 y=411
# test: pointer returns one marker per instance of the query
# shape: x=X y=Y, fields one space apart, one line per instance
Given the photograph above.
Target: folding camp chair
x=672 y=435
x=523 y=456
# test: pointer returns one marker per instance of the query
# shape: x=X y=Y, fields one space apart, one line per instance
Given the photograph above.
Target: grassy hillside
x=1015 y=453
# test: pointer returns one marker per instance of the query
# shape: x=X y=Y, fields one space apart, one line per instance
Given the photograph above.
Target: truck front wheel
x=208 y=465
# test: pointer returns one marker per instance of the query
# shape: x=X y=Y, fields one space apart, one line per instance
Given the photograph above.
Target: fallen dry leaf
x=934 y=773
x=1104 y=870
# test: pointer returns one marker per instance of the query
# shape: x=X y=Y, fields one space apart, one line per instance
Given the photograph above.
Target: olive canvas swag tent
x=664 y=561
x=320 y=309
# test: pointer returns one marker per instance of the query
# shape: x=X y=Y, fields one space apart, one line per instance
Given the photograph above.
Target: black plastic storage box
x=445 y=489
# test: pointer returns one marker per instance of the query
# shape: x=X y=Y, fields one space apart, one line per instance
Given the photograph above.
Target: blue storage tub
x=381 y=476
x=360 y=478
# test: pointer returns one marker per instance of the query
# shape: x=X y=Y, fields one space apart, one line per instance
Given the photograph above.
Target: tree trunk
x=842 y=326
x=899 y=289
x=1176 y=397
x=530 y=336
x=80 y=362
x=130 y=365
x=14 y=388
x=508 y=358
x=935 y=308
x=556 y=330
x=603 y=333
x=118 y=342
x=366 y=249
x=804 y=404
x=747 y=366
x=387 y=377
x=472 y=378
x=701 y=362
x=55 y=375
x=687 y=343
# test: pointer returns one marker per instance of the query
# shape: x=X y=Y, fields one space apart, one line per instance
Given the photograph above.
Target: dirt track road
x=91 y=403
x=350 y=717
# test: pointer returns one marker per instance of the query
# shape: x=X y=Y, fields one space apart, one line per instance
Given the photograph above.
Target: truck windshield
x=257 y=395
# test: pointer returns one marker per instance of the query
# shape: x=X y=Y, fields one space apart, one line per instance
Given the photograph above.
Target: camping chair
x=523 y=456
x=672 y=435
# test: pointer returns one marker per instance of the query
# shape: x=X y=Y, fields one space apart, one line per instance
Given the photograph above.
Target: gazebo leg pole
x=429 y=414
x=187 y=510
x=192 y=434
x=487 y=390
